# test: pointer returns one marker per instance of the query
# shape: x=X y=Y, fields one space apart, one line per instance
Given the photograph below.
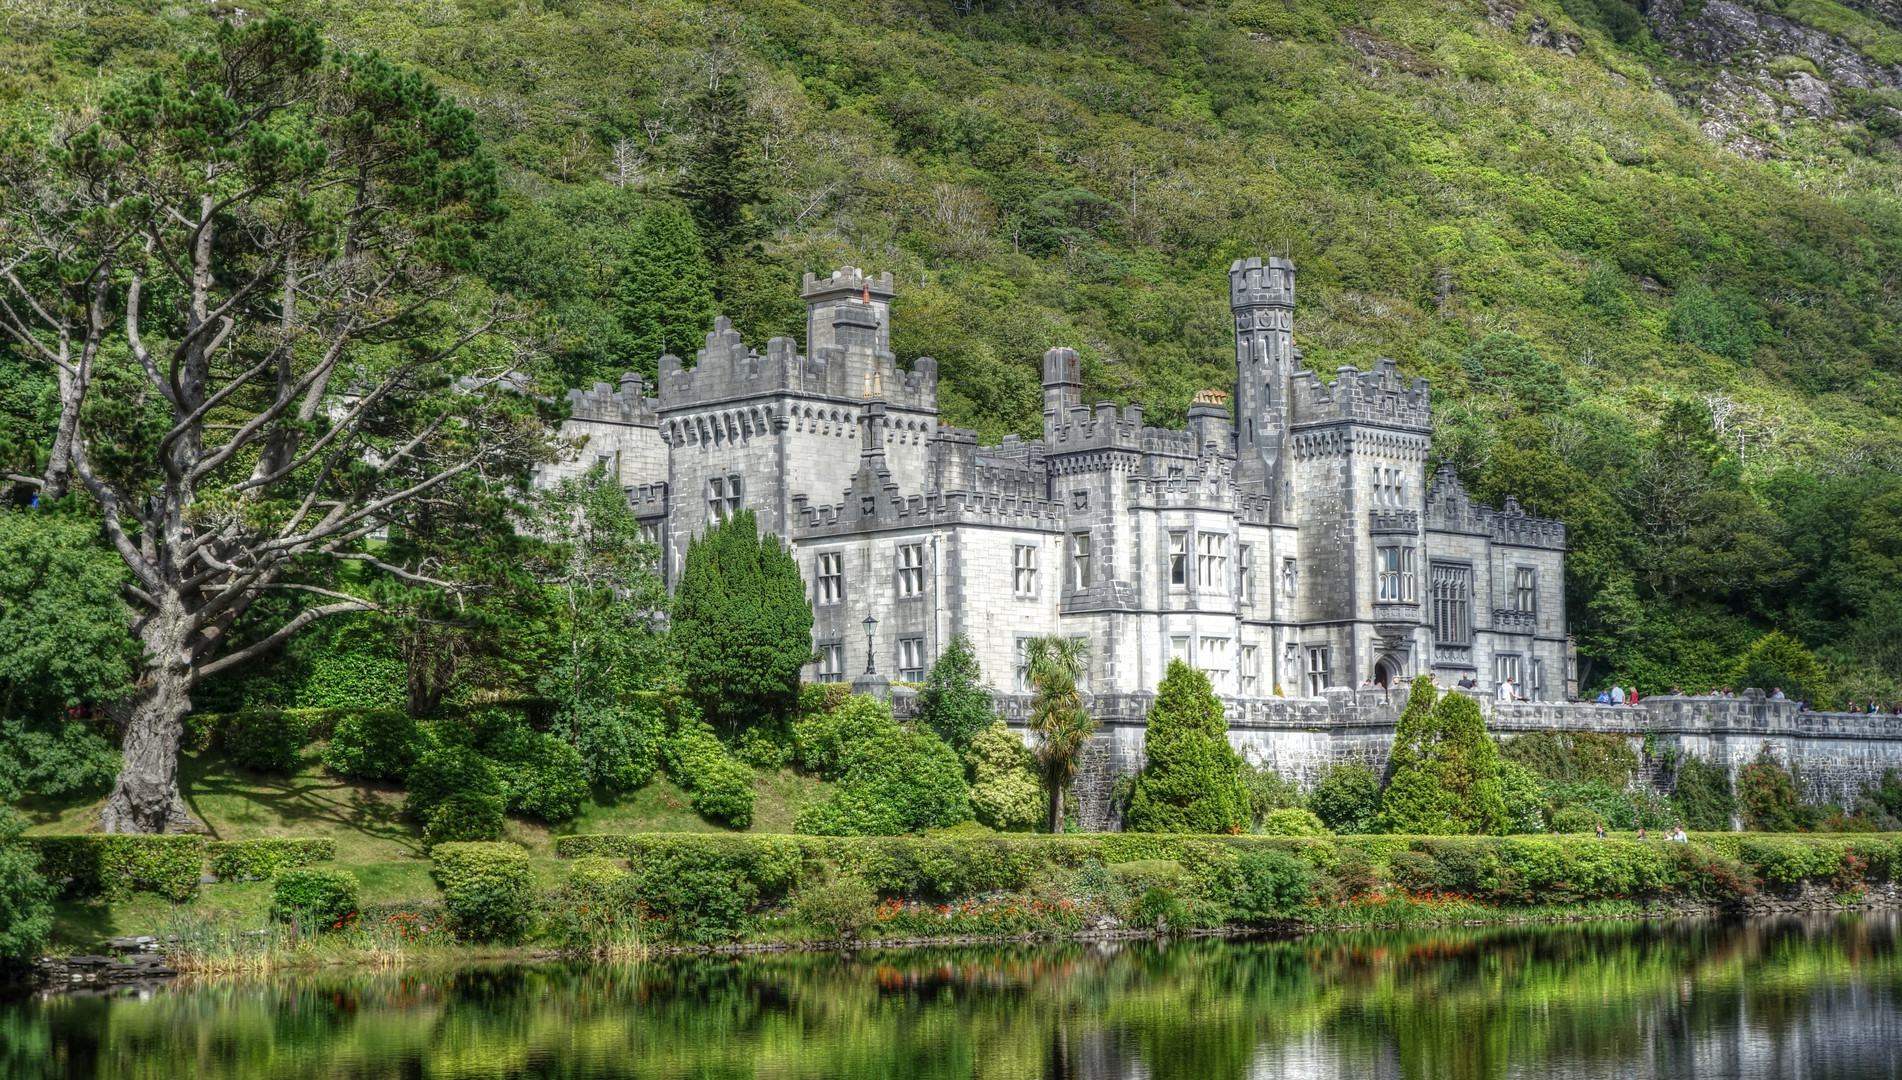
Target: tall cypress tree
x=954 y=702
x=741 y=626
x=1192 y=781
x=663 y=290
x=1444 y=771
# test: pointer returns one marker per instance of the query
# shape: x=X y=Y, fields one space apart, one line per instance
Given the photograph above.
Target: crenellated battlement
x=1380 y=396
x=1253 y=283
x=894 y=510
x=1450 y=509
x=605 y=404
x=726 y=370
x=1081 y=429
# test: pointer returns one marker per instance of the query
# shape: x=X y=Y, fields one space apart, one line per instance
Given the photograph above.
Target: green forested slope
x=1689 y=352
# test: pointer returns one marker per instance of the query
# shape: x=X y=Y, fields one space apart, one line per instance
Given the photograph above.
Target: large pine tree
x=1444 y=772
x=663 y=290
x=1192 y=781
x=742 y=626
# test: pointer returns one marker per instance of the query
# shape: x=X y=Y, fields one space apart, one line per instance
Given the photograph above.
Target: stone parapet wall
x=1835 y=755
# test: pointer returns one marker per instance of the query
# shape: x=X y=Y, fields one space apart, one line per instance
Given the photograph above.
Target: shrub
x=1766 y=795
x=1573 y=757
x=742 y=627
x=1161 y=908
x=620 y=744
x=1346 y=797
x=1192 y=779
x=707 y=892
x=841 y=907
x=1268 y=791
x=543 y=777
x=1576 y=819
x=594 y=907
x=26 y=896
x=234 y=860
x=821 y=734
x=1291 y=821
x=265 y=740
x=955 y=704
x=1444 y=767
x=488 y=891
x=893 y=780
x=1142 y=875
x=451 y=770
x=719 y=788
x=323 y=898
x=1524 y=796
x=1779 y=661
x=1703 y=797
x=1005 y=794
x=1274 y=885
x=463 y=817
x=115 y=866
x=376 y=744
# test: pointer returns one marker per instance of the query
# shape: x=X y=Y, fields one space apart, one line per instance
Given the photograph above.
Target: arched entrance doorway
x=1386 y=674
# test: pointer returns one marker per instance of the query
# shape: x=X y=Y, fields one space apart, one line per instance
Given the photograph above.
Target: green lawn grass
x=374 y=840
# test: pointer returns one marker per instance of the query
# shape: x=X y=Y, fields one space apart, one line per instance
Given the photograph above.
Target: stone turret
x=1261 y=298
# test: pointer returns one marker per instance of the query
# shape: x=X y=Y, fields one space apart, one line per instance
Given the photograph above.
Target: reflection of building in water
x=1292 y=543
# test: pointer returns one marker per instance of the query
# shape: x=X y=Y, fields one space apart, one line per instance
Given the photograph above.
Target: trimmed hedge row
x=232 y=860
x=115 y=866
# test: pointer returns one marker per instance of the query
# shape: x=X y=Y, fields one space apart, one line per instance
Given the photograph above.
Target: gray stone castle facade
x=1295 y=546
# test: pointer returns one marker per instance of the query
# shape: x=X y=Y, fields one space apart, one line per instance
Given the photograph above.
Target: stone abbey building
x=1294 y=546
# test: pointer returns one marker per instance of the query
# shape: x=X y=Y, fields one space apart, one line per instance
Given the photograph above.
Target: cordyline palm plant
x=1064 y=728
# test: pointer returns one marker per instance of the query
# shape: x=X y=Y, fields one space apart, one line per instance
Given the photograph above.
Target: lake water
x=1790 y=998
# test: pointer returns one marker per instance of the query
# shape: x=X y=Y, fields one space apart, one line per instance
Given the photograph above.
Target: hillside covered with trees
x=1649 y=259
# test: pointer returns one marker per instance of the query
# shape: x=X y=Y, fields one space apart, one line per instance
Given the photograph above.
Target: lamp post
x=871 y=627
x=872 y=682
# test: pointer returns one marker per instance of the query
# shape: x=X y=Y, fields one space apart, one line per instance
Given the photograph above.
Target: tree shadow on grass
x=310 y=801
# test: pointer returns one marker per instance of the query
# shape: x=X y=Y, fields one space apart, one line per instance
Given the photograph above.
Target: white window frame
x=1535 y=679
x=911 y=659
x=1179 y=648
x=1451 y=616
x=1317 y=671
x=830 y=572
x=1245 y=572
x=1525 y=589
x=1023 y=665
x=1081 y=551
x=1023 y=561
x=831 y=661
x=1211 y=561
x=1248 y=667
x=1211 y=655
x=1393 y=575
x=1507 y=666
x=724 y=494
x=1179 y=558
x=911 y=569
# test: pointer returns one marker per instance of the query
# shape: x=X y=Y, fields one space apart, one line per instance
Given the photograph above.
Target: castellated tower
x=1261 y=296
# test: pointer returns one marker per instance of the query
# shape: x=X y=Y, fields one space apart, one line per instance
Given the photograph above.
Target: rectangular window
x=1289 y=579
x=1317 y=670
x=1080 y=560
x=1535 y=679
x=1506 y=669
x=1179 y=648
x=911 y=659
x=1023 y=562
x=1245 y=572
x=832 y=662
x=1178 y=558
x=1211 y=560
x=1212 y=657
x=1023 y=665
x=1525 y=589
x=723 y=497
x=911 y=570
x=1452 y=604
x=1393 y=575
x=831 y=577
x=1248 y=667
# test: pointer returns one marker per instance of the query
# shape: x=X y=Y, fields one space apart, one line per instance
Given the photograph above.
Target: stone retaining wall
x=1835 y=755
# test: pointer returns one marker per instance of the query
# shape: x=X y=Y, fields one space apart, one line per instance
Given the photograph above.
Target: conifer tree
x=742 y=626
x=663 y=290
x=1444 y=772
x=954 y=702
x=1192 y=782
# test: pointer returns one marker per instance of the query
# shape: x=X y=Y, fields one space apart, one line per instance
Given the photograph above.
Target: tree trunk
x=1056 y=810
x=58 y=476
x=146 y=799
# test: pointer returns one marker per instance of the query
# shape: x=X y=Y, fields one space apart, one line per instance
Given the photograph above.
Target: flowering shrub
x=897 y=918
x=320 y=898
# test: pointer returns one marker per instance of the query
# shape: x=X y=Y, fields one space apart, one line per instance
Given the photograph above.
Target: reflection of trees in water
x=1450 y=1003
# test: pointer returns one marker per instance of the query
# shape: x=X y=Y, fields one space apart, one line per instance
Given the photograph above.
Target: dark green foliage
x=722 y=175
x=1192 y=779
x=266 y=740
x=541 y=775
x=1507 y=366
x=488 y=890
x=594 y=907
x=449 y=771
x=1346 y=797
x=1703 y=798
x=955 y=703
x=663 y=289
x=463 y=816
x=116 y=866
x=840 y=907
x=1767 y=795
x=376 y=744
x=62 y=623
x=1444 y=771
x=1524 y=794
x=705 y=890
x=620 y=744
x=1268 y=792
x=1778 y=661
x=1726 y=322
x=1573 y=757
x=236 y=860
x=26 y=896
x=892 y=778
x=742 y=627
x=1619 y=19
x=323 y=899
x=54 y=757
x=719 y=787
x=1274 y=885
